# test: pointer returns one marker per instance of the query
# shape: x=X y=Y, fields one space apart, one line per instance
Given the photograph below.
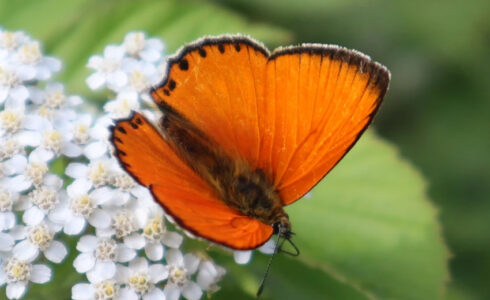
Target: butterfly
x=246 y=132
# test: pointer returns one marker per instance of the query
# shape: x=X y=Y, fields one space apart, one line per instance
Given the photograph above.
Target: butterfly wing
x=216 y=83
x=320 y=100
x=294 y=113
x=184 y=195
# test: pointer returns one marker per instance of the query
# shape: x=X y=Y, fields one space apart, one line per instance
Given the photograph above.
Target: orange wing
x=145 y=155
x=319 y=101
x=217 y=83
x=293 y=114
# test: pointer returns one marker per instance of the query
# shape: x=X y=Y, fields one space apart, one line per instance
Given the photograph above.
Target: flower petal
x=7 y=220
x=154 y=294
x=122 y=273
x=76 y=170
x=124 y=254
x=95 y=81
x=75 y=225
x=242 y=257
x=157 y=272
x=100 y=219
x=95 y=150
x=173 y=239
x=79 y=187
x=40 y=273
x=25 y=251
x=87 y=243
x=14 y=165
x=6 y=242
x=56 y=252
x=19 y=183
x=191 y=263
x=33 y=216
x=127 y=294
x=16 y=290
x=175 y=257
x=103 y=270
x=192 y=291
x=71 y=150
x=82 y=291
x=139 y=265
x=84 y=262
x=135 y=241
x=154 y=251
x=172 y=292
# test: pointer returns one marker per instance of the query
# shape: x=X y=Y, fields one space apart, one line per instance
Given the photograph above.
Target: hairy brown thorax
x=249 y=191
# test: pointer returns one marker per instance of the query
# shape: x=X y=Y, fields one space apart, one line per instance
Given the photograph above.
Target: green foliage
x=437 y=107
x=75 y=30
x=367 y=232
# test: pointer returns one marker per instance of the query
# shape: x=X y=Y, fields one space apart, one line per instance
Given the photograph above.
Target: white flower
x=9 y=147
x=30 y=56
x=12 y=40
x=209 y=274
x=44 y=199
x=136 y=45
x=40 y=238
x=99 y=256
x=83 y=205
x=11 y=119
x=107 y=289
x=108 y=69
x=12 y=77
x=100 y=134
x=141 y=279
x=141 y=75
x=180 y=269
x=51 y=139
x=242 y=257
x=7 y=200
x=53 y=96
x=6 y=242
x=154 y=233
x=28 y=172
x=17 y=274
x=122 y=106
x=81 y=129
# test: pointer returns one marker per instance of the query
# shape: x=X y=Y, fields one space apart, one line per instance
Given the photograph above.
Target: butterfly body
x=246 y=132
x=233 y=180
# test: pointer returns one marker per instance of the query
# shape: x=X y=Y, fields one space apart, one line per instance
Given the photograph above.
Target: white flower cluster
x=132 y=253
x=127 y=252
x=36 y=128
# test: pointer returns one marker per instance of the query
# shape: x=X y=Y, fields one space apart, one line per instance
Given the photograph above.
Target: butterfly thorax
x=249 y=191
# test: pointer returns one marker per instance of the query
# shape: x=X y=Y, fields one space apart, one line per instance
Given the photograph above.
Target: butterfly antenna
x=276 y=248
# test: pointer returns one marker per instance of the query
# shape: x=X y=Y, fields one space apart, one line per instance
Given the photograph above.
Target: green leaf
x=75 y=30
x=370 y=224
x=289 y=278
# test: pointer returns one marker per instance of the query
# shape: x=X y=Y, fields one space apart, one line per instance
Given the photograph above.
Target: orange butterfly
x=246 y=132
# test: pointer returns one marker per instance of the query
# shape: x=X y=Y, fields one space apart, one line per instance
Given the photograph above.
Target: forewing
x=144 y=154
x=319 y=101
x=216 y=83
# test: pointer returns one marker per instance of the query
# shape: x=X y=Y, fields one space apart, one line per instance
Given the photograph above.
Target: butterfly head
x=283 y=227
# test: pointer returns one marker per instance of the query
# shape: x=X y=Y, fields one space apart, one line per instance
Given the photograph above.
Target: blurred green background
x=437 y=111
